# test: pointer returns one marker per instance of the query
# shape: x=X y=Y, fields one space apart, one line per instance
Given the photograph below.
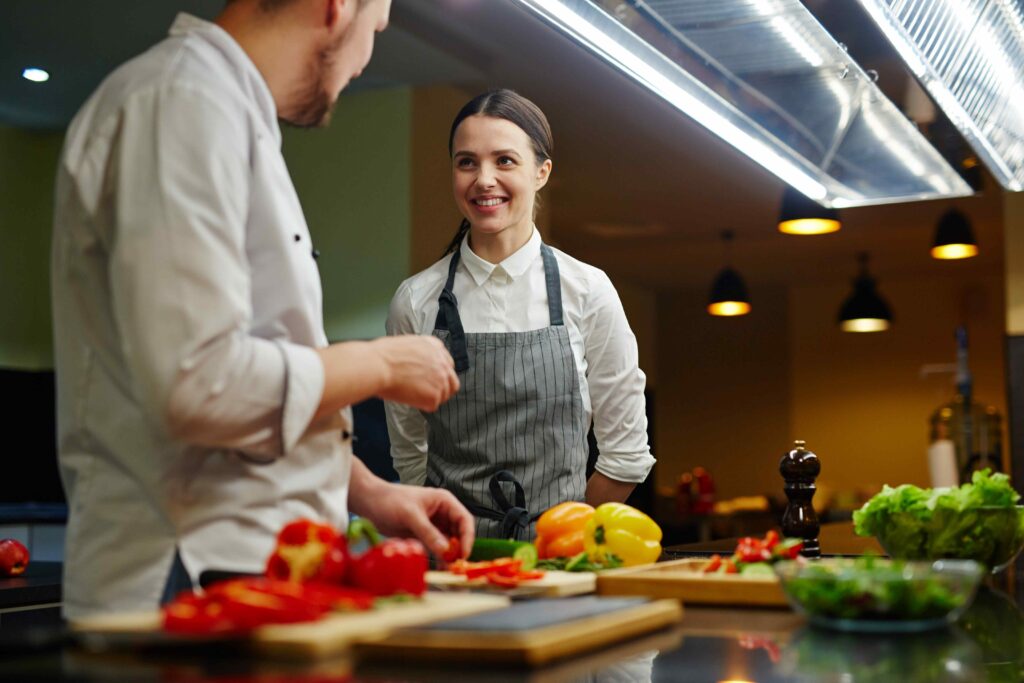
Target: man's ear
x=543 y=173
x=335 y=12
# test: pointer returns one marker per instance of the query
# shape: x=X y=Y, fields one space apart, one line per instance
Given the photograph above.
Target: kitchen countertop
x=40 y=584
x=711 y=644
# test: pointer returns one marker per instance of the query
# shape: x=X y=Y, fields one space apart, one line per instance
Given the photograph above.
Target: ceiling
x=638 y=189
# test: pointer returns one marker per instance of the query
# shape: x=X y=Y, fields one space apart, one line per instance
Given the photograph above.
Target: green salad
x=979 y=520
x=875 y=589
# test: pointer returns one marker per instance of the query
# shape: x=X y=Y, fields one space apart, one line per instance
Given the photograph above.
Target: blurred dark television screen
x=30 y=487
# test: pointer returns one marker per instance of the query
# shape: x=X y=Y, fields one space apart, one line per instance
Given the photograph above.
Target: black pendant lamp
x=954 y=237
x=729 y=296
x=801 y=215
x=864 y=310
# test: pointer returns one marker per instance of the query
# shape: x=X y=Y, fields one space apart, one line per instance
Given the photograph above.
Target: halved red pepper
x=308 y=551
x=390 y=566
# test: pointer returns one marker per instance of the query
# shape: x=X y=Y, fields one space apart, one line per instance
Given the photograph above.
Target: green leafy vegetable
x=978 y=520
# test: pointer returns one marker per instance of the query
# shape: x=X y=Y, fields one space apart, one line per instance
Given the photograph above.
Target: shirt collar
x=250 y=80
x=514 y=265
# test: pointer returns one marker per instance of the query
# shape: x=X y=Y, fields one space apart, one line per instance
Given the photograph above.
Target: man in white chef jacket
x=200 y=407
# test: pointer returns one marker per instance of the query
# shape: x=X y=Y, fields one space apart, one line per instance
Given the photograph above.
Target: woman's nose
x=485 y=177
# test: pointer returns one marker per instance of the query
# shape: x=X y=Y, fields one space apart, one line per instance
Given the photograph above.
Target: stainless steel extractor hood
x=969 y=54
x=766 y=77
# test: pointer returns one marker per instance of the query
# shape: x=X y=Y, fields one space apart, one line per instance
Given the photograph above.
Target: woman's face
x=495 y=175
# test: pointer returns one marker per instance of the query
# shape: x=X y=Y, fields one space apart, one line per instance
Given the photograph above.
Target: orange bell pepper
x=560 y=529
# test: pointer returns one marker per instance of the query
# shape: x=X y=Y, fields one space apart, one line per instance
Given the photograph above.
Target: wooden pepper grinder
x=799 y=468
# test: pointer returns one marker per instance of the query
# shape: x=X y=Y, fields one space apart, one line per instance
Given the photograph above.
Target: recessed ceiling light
x=35 y=75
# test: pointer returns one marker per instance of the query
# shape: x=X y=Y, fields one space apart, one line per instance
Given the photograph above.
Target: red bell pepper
x=388 y=566
x=308 y=551
x=242 y=604
x=454 y=550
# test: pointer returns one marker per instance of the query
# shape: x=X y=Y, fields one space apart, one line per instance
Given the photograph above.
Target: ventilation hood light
x=766 y=78
x=970 y=58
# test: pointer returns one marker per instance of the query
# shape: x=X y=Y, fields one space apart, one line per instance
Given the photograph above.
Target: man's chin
x=318 y=118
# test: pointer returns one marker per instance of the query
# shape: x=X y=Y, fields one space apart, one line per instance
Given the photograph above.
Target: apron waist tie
x=514 y=517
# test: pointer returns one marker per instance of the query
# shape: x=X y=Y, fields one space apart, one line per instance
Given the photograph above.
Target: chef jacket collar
x=249 y=77
x=514 y=265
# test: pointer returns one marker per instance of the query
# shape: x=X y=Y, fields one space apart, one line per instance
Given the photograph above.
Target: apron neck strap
x=554 y=284
x=448 y=317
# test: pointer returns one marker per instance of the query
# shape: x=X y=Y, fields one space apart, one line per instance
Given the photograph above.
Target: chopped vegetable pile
x=977 y=520
x=755 y=556
x=504 y=572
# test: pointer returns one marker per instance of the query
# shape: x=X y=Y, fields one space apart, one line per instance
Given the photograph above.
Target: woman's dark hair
x=511 y=106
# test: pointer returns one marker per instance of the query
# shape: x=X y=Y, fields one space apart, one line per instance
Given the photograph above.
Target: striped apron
x=513 y=441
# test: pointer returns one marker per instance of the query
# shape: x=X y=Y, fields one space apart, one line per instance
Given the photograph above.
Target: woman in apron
x=540 y=341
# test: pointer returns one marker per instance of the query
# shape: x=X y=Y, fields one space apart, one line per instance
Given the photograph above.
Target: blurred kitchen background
x=640 y=190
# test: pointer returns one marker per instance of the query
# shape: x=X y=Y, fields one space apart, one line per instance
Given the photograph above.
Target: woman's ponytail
x=457 y=240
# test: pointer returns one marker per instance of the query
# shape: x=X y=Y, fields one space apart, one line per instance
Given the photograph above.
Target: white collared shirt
x=187 y=306
x=511 y=296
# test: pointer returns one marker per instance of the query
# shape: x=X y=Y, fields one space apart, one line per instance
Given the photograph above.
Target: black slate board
x=533 y=614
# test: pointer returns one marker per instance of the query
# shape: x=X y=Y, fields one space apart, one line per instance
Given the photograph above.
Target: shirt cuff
x=303 y=389
x=627 y=467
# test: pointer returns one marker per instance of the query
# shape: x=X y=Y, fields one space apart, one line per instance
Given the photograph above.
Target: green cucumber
x=757 y=569
x=493 y=548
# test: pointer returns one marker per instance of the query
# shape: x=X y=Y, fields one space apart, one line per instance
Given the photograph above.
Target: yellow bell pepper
x=624 y=531
x=560 y=529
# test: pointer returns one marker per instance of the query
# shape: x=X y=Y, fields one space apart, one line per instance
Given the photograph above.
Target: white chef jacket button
x=298 y=237
x=316 y=254
x=217 y=387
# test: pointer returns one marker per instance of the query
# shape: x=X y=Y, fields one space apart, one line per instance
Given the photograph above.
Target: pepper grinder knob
x=799 y=468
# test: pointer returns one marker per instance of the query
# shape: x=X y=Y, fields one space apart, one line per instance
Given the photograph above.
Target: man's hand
x=429 y=514
x=420 y=371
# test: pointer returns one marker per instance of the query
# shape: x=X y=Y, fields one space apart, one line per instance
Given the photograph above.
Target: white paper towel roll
x=942 y=463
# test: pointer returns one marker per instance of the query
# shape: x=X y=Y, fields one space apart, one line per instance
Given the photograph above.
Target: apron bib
x=513 y=441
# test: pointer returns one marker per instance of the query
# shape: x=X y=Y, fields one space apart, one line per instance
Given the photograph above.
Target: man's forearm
x=602 y=489
x=364 y=489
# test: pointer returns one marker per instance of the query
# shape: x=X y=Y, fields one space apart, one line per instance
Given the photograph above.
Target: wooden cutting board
x=330 y=636
x=528 y=632
x=684 y=581
x=554 y=584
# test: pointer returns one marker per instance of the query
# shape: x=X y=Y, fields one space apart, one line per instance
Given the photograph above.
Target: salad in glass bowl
x=880 y=595
x=978 y=521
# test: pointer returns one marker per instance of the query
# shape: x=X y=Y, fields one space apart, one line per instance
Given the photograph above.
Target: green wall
x=354 y=183
x=28 y=163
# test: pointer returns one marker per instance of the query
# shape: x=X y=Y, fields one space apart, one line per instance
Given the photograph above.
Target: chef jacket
x=187 y=305
x=511 y=296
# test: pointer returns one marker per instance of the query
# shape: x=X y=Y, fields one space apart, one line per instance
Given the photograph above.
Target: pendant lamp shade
x=864 y=310
x=954 y=237
x=729 y=296
x=801 y=215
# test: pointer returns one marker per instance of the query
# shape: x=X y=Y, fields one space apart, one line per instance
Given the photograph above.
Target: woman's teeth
x=488 y=202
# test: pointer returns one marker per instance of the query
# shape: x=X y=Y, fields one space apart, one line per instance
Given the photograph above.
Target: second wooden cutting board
x=684 y=580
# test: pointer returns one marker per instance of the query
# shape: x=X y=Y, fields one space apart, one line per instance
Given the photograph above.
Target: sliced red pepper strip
x=713 y=564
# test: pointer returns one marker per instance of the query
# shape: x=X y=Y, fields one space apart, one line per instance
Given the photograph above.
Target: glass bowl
x=991 y=536
x=879 y=595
